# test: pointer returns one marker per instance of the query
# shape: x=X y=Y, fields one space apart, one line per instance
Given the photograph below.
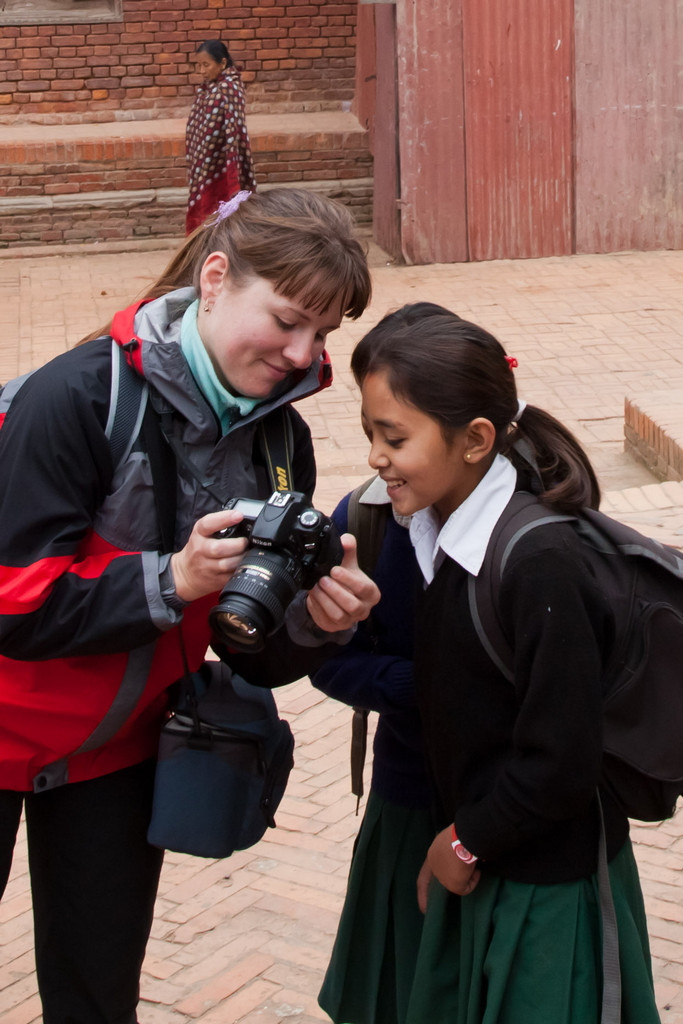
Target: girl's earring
x=207 y=307
x=468 y=456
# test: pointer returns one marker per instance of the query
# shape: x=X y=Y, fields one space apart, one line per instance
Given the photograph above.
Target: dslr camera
x=292 y=545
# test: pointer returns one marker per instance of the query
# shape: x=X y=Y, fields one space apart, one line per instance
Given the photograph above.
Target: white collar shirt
x=465 y=535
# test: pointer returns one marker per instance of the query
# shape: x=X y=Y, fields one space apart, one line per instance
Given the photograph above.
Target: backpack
x=643 y=695
x=367 y=523
x=127 y=403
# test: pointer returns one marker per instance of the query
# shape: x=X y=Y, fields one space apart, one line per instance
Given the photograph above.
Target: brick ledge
x=653 y=432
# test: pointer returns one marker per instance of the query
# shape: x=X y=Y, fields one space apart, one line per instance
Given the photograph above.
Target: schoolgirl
x=93 y=606
x=513 y=927
x=370 y=975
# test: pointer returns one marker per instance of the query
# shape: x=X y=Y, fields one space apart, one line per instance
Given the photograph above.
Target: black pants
x=94 y=880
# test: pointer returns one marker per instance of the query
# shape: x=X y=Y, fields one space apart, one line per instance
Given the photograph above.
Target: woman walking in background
x=216 y=139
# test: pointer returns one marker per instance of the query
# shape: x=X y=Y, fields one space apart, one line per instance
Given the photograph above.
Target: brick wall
x=294 y=54
x=95 y=182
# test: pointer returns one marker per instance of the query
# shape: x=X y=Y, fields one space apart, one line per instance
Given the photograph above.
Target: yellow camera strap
x=277 y=440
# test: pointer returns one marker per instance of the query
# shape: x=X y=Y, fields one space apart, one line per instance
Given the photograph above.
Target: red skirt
x=203 y=204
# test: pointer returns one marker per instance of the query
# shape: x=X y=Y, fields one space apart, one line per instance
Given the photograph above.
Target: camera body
x=292 y=545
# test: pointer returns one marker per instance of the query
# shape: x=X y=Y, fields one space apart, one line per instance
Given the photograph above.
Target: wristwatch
x=459 y=850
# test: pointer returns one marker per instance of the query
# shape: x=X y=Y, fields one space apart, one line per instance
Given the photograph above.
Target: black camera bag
x=224 y=760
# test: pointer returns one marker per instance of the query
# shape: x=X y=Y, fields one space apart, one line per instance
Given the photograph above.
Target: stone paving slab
x=247 y=939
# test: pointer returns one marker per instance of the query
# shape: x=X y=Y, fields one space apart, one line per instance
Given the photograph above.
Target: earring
x=207 y=307
x=468 y=456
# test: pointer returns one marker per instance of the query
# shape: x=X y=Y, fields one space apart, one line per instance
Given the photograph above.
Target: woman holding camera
x=94 y=611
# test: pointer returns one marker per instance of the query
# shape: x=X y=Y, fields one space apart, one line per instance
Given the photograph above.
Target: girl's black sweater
x=375 y=671
x=516 y=766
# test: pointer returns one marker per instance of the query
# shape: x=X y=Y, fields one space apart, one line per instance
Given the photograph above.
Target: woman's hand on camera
x=207 y=562
x=344 y=597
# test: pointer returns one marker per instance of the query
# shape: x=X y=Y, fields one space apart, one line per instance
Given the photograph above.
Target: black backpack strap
x=611 y=971
x=523 y=513
x=163 y=466
x=367 y=522
x=131 y=415
x=127 y=403
x=359 y=748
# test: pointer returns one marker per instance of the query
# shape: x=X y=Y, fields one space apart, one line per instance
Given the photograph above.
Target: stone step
x=279 y=127
x=125 y=179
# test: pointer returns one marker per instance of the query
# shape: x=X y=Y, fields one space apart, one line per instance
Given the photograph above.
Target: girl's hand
x=423 y=879
x=453 y=873
x=344 y=597
x=207 y=562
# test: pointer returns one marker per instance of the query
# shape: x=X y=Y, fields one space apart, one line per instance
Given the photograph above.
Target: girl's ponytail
x=561 y=471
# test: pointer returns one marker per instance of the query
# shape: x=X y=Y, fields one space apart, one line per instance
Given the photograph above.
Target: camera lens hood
x=253 y=602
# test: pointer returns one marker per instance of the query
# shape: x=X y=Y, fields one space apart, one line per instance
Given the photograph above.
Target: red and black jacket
x=84 y=629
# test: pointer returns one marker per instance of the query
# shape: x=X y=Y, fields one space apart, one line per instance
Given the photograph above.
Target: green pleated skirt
x=512 y=953
x=370 y=975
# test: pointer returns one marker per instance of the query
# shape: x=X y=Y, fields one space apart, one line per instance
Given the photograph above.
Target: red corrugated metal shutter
x=433 y=214
x=518 y=127
x=386 y=217
x=629 y=125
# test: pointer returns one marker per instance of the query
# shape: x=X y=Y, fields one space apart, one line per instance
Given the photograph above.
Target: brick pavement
x=247 y=939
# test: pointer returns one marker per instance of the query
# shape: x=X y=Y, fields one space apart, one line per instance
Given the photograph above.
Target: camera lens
x=252 y=604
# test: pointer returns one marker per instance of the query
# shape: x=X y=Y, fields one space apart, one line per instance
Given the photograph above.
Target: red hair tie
x=512 y=362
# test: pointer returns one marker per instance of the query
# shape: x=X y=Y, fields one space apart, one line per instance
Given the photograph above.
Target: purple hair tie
x=229 y=206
